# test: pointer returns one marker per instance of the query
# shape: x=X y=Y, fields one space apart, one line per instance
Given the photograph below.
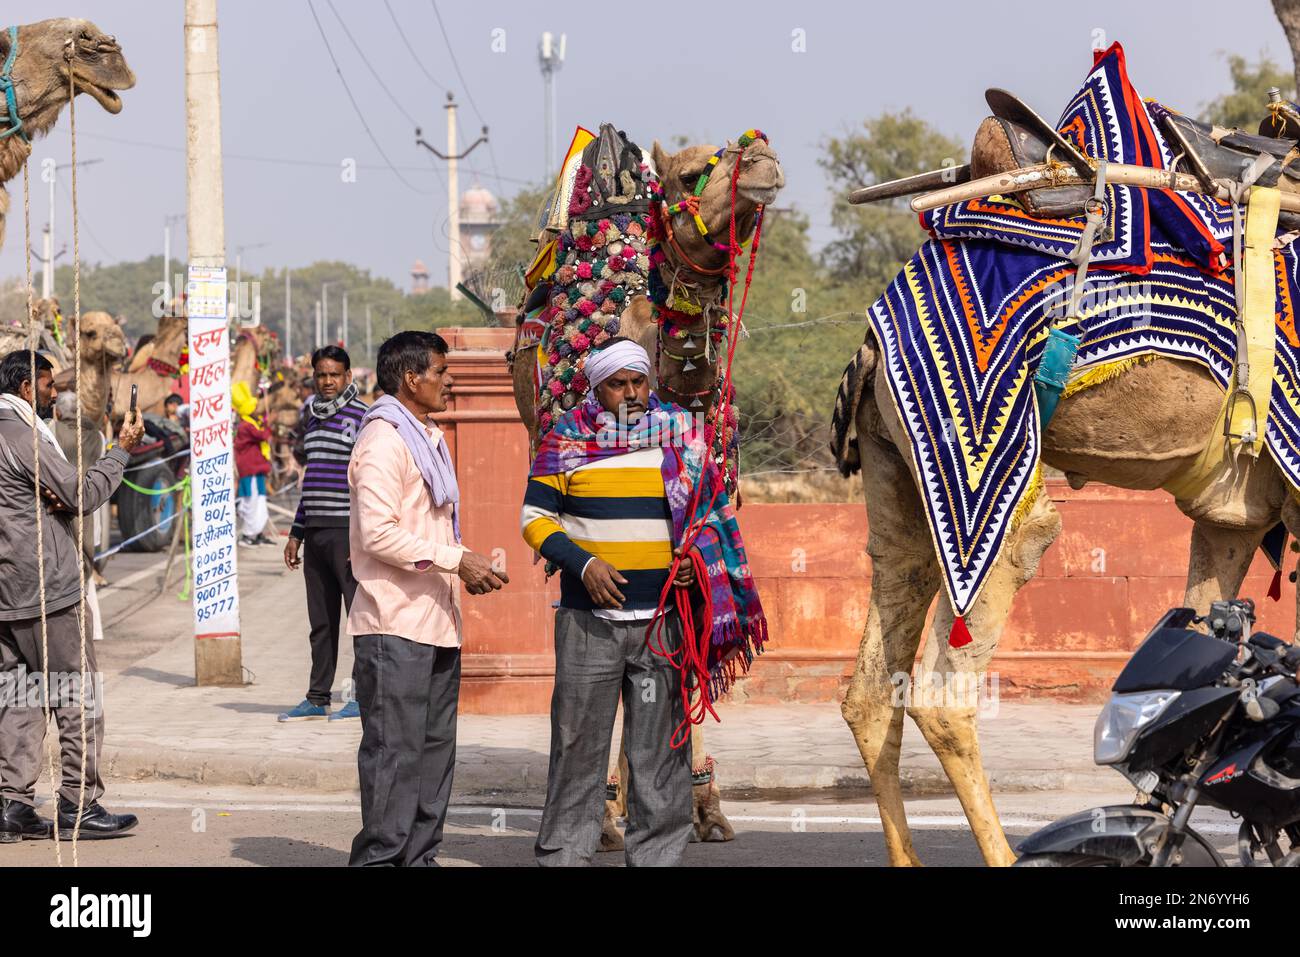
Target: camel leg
x=904 y=580
x=1217 y=565
x=706 y=799
x=943 y=702
x=611 y=838
x=1291 y=516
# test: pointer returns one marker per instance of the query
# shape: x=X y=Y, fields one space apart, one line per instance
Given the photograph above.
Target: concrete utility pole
x=453 y=193
x=217 y=650
x=316 y=342
x=47 y=261
x=344 y=336
x=47 y=280
x=288 y=316
x=169 y=291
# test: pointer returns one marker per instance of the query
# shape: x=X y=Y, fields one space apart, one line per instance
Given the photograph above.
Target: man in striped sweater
x=331 y=422
x=603 y=517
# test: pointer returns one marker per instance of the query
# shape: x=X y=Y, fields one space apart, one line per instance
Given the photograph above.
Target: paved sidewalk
x=160 y=726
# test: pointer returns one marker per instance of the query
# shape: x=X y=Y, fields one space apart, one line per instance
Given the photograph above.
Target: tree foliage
x=1247 y=102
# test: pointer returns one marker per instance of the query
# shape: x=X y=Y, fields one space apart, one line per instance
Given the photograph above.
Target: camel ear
x=661 y=160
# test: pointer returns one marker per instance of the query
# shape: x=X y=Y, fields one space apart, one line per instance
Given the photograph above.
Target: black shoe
x=20 y=822
x=96 y=822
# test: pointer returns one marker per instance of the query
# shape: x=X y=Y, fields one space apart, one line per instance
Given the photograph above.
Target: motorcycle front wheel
x=1058 y=859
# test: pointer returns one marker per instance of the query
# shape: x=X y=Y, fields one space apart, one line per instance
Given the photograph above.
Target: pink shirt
x=393 y=526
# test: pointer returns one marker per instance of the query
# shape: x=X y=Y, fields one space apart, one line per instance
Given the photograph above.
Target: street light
x=47 y=280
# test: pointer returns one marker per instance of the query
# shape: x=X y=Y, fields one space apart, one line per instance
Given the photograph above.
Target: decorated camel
x=658 y=277
x=156 y=380
x=1139 y=324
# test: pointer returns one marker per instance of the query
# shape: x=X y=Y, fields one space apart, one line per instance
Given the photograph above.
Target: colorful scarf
x=587 y=434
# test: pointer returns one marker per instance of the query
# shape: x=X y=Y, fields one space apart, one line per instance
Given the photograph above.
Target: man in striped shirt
x=607 y=524
x=331 y=422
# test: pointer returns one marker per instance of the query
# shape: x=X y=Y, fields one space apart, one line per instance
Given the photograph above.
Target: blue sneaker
x=305 y=711
x=349 y=710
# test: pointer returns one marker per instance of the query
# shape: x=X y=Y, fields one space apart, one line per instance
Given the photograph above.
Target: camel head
x=761 y=178
x=47 y=52
x=102 y=339
x=171 y=340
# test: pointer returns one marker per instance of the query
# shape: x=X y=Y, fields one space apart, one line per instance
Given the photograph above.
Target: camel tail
x=844 y=440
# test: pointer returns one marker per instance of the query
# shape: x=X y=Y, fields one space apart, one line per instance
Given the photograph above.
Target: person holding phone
x=24 y=403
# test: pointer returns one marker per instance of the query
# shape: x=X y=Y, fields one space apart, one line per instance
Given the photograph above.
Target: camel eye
x=691 y=177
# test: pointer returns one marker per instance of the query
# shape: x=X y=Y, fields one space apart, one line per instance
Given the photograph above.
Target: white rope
x=32 y=341
x=81 y=517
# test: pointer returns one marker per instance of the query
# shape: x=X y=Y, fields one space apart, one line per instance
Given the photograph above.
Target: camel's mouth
x=759 y=195
x=102 y=95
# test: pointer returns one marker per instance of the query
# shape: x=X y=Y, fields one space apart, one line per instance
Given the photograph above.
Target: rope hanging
x=81 y=516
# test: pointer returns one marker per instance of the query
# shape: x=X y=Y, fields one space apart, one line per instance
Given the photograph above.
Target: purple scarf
x=434 y=462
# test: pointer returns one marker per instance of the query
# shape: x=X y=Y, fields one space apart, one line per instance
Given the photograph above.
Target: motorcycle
x=1197 y=717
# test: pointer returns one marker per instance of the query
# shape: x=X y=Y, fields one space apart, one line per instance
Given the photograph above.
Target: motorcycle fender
x=1118 y=832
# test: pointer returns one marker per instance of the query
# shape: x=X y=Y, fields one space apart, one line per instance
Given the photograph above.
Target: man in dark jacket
x=50 y=521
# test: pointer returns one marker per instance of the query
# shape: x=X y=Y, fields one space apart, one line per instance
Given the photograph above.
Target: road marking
x=482 y=810
x=134 y=577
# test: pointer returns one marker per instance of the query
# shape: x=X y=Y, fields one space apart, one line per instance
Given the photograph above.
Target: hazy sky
x=706 y=70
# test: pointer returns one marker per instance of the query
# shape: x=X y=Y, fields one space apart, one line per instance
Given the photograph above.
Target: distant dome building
x=479 y=218
x=419 y=278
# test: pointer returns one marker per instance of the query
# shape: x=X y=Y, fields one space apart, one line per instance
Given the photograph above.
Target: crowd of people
x=377 y=535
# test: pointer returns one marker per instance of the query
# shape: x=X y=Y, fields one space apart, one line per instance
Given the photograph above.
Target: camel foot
x=611 y=838
x=710 y=823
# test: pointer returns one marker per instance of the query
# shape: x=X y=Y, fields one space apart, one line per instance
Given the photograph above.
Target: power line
x=468 y=95
x=353 y=100
x=81 y=221
x=410 y=49
x=356 y=46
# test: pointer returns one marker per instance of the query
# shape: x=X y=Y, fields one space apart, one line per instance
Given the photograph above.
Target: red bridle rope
x=694 y=650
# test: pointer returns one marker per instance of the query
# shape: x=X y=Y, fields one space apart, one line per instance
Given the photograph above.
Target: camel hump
x=844 y=444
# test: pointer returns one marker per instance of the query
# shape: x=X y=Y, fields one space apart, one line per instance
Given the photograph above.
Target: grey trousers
x=407 y=693
x=22 y=720
x=596 y=661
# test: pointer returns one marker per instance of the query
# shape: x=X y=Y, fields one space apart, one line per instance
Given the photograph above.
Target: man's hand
x=685 y=576
x=132 y=430
x=477 y=574
x=291 y=559
x=600 y=576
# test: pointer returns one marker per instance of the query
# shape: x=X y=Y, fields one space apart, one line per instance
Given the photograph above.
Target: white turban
x=603 y=363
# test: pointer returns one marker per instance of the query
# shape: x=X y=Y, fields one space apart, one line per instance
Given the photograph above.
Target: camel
x=253 y=357
x=1141 y=429
x=45 y=335
x=154 y=382
x=760 y=180
x=103 y=346
x=47 y=52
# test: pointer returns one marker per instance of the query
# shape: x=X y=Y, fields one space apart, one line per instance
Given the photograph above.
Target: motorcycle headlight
x=1121 y=720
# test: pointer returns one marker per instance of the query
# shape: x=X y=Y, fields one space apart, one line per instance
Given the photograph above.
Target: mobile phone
x=135 y=390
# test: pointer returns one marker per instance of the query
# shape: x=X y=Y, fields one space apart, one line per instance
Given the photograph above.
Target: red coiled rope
x=694 y=650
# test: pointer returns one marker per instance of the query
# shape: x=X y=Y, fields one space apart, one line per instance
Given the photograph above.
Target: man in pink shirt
x=404 y=535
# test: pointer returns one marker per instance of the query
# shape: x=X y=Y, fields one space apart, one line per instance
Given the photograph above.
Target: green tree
x=1247 y=104
x=875 y=240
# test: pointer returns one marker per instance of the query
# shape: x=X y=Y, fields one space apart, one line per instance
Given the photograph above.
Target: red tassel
x=1275 y=589
x=960 y=634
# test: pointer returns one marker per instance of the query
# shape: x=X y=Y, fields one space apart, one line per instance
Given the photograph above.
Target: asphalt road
x=193 y=825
